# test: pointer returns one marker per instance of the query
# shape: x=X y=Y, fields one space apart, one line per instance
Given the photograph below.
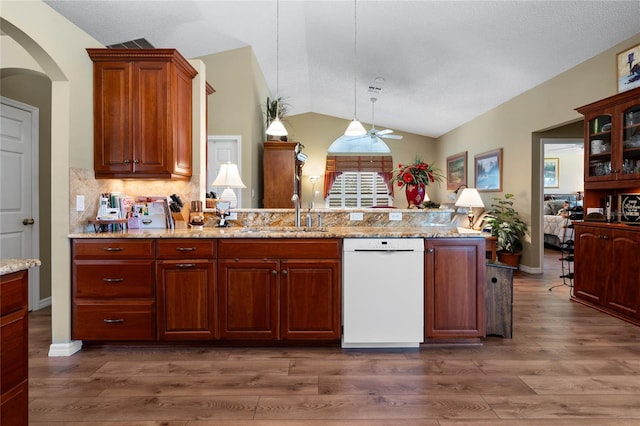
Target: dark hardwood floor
x=566 y=365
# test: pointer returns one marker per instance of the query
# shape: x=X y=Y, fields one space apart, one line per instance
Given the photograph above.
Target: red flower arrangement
x=417 y=173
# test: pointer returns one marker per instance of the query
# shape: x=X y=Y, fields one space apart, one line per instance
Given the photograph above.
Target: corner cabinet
x=280 y=289
x=455 y=288
x=282 y=173
x=142 y=113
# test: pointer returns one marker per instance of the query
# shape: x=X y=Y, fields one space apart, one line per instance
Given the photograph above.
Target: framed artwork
x=628 y=68
x=488 y=171
x=551 y=173
x=457 y=170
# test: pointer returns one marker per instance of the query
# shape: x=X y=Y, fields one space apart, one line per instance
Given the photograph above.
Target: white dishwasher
x=382 y=292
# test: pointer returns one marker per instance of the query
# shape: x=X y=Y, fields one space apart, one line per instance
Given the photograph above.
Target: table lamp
x=229 y=177
x=470 y=197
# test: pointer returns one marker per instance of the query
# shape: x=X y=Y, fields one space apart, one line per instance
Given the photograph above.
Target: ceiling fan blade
x=384 y=132
x=391 y=136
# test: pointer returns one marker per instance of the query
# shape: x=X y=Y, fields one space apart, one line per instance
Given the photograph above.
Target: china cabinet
x=282 y=167
x=142 y=113
x=612 y=168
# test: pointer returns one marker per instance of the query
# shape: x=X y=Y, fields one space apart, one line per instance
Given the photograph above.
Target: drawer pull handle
x=113 y=280
x=186 y=248
x=185 y=265
x=113 y=321
x=113 y=249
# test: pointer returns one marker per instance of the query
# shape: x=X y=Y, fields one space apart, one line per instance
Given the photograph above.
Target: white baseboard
x=43 y=303
x=65 y=349
x=530 y=270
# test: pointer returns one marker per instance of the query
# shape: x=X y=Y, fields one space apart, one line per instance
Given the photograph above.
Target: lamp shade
x=470 y=197
x=276 y=128
x=355 y=128
x=229 y=177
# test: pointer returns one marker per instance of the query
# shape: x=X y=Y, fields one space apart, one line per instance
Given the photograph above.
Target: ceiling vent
x=140 y=43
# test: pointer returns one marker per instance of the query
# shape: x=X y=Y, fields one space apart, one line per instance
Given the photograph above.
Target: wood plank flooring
x=566 y=365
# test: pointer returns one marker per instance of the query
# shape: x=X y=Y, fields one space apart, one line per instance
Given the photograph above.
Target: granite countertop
x=286 y=232
x=8 y=266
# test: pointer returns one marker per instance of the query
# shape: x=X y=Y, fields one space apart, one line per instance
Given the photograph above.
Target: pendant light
x=355 y=128
x=276 y=128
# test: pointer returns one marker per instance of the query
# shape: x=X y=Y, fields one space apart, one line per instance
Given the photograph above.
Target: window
x=358 y=189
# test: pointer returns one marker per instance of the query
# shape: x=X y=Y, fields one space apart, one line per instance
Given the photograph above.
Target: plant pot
x=511 y=259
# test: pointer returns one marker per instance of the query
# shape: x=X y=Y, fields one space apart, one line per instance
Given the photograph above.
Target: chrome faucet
x=296 y=205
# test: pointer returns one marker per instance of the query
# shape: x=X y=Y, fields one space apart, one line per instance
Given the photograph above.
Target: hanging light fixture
x=355 y=128
x=276 y=128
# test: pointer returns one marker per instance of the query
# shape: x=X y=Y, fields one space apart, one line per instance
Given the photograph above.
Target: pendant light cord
x=277 y=58
x=355 y=54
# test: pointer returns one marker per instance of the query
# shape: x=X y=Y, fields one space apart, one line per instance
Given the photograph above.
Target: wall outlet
x=79 y=203
x=395 y=216
x=356 y=216
x=232 y=216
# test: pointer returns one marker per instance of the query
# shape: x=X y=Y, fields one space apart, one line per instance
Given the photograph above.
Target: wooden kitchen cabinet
x=113 y=289
x=142 y=113
x=611 y=285
x=455 y=288
x=14 y=349
x=282 y=173
x=280 y=290
x=186 y=289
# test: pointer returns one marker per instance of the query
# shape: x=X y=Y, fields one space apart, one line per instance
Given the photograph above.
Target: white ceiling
x=444 y=62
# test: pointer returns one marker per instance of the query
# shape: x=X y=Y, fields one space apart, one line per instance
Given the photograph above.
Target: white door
x=18 y=175
x=222 y=149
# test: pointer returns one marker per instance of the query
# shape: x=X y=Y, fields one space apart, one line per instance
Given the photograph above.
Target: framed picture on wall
x=628 y=68
x=457 y=170
x=488 y=171
x=551 y=173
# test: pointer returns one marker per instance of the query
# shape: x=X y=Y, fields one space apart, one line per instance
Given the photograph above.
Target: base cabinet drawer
x=121 y=321
x=113 y=279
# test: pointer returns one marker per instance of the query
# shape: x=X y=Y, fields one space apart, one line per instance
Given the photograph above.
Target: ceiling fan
x=375 y=133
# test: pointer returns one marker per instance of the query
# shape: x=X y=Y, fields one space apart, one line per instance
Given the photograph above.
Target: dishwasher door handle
x=383 y=250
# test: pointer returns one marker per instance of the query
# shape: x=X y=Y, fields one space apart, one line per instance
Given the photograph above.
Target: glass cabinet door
x=630 y=142
x=598 y=148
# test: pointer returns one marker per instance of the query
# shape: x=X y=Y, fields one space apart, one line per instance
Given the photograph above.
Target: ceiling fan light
x=355 y=128
x=276 y=128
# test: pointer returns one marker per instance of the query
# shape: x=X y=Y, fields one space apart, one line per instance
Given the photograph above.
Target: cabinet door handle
x=113 y=321
x=126 y=161
x=113 y=249
x=113 y=280
x=431 y=251
x=185 y=265
x=136 y=161
x=285 y=272
x=604 y=237
x=274 y=272
x=186 y=248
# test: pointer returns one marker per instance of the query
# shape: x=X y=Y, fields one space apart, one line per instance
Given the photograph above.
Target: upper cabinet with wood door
x=612 y=141
x=282 y=173
x=142 y=113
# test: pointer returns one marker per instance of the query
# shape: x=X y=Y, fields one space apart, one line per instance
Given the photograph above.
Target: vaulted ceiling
x=443 y=62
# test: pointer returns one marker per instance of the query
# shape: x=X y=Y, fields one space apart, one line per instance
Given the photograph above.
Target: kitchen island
x=267 y=285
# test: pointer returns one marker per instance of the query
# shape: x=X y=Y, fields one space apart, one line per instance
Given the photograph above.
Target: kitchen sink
x=287 y=229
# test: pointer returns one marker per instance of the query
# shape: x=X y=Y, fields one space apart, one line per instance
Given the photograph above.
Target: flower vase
x=415 y=194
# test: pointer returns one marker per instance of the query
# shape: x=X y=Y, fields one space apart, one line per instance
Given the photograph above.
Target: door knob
x=28 y=221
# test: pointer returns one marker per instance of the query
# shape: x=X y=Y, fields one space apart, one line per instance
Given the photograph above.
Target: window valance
x=337 y=164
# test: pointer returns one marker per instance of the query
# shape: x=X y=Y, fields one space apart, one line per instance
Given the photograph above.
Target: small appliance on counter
x=196 y=215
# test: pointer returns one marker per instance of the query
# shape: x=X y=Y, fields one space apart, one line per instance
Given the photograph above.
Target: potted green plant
x=508 y=227
x=275 y=107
